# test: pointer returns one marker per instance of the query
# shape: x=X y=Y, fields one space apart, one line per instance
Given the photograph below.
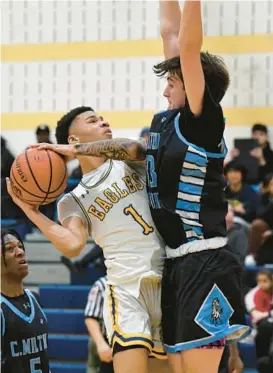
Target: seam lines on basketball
x=89 y=224
x=53 y=191
x=48 y=192
x=50 y=178
x=30 y=169
x=32 y=194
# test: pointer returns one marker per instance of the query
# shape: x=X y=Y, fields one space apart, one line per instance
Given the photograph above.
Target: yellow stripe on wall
x=133 y=119
x=260 y=43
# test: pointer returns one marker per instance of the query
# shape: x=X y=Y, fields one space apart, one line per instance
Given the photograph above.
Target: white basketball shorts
x=131 y=321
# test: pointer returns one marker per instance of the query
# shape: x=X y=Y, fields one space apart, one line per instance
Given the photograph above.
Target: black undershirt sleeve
x=207 y=129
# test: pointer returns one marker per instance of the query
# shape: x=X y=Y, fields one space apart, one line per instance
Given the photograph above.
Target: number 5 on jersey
x=130 y=210
x=33 y=363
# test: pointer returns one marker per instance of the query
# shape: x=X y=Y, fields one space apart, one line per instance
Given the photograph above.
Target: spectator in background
x=243 y=199
x=43 y=134
x=263 y=153
x=237 y=235
x=9 y=210
x=260 y=241
x=144 y=133
x=259 y=301
x=267 y=192
x=7 y=159
x=100 y=353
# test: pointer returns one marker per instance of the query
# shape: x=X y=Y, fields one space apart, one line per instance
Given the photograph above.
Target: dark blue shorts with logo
x=202 y=301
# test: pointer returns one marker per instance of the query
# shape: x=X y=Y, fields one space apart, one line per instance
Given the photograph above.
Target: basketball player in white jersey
x=111 y=205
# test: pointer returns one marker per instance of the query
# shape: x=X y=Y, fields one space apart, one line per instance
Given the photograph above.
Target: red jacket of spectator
x=259 y=300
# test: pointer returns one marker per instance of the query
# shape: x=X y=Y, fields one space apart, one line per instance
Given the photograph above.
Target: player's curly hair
x=65 y=122
x=12 y=232
x=215 y=71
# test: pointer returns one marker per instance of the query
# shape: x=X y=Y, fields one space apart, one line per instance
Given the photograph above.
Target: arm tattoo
x=118 y=149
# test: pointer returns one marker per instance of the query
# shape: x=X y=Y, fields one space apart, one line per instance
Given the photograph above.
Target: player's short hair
x=65 y=122
x=12 y=232
x=215 y=71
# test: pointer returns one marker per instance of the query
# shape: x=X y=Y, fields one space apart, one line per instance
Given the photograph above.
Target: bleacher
x=64 y=307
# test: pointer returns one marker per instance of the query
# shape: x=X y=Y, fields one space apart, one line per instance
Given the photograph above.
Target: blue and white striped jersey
x=185 y=182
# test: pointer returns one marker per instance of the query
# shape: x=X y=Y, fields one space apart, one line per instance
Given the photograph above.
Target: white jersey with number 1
x=112 y=202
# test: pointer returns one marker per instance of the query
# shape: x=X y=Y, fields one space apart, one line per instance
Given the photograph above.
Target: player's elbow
x=72 y=248
x=74 y=251
x=167 y=31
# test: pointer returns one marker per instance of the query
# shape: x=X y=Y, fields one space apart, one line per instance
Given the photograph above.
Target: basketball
x=38 y=177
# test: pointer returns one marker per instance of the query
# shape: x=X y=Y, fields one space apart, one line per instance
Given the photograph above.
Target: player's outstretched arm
x=69 y=239
x=190 y=44
x=170 y=16
x=118 y=149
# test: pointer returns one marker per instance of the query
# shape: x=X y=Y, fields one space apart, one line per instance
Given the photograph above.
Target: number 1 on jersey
x=130 y=210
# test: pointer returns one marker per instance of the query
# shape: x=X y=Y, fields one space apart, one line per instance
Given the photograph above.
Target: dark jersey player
x=24 y=330
x=202 y=305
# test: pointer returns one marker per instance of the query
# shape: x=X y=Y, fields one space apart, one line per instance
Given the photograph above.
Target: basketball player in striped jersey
x=111 y=204
x=24 y=329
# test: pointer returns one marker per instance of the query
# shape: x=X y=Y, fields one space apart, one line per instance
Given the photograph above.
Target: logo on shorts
x=216 y=311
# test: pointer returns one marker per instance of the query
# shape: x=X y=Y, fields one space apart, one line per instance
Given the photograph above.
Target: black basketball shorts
x=202 y=300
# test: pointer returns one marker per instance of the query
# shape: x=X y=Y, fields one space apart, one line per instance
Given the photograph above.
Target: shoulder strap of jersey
x=36 y=301
x=24 y=317
x=3 y=323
